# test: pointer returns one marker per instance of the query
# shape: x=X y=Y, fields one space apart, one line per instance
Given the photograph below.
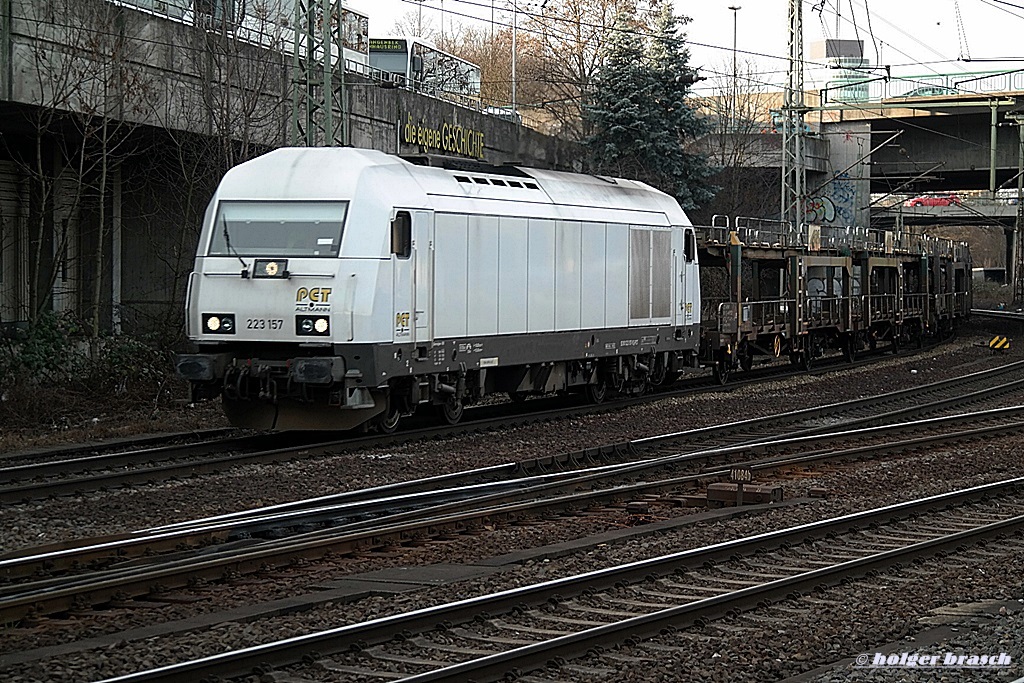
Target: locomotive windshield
x=278 y=229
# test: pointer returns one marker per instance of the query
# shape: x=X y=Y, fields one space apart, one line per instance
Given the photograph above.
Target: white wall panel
x=592 y=297
x=482 y=294
x=540 y=304
x=512 y=275
x=450 y=281
x=567 y=275
x=617 y=275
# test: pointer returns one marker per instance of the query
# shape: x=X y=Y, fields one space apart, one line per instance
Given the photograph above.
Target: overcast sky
x=915 y=37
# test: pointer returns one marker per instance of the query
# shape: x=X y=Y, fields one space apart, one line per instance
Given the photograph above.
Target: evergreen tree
x=640 y=117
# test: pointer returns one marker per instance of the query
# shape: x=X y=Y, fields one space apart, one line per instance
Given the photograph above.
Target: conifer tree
x=639 y=114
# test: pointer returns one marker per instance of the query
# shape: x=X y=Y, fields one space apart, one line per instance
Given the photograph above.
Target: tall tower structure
x=318 y=54
x=794 y=171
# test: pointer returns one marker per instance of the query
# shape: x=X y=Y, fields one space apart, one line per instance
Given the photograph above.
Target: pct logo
x=315 y=299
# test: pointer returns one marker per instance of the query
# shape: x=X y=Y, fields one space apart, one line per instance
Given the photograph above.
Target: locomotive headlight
x=218 y=323
x=312 y=326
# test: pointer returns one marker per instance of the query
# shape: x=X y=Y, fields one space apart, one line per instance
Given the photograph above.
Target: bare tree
x=493 y=54
x=570 y=36
x=232 y=103
x=743 y=142
x=416 y=23
x=114 y=93
x=86 y=82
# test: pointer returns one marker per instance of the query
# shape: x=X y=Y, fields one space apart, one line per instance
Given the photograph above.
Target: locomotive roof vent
x=477 y=180
x=465 y=165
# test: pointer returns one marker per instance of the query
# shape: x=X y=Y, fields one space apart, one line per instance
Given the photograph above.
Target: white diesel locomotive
x=340 y=287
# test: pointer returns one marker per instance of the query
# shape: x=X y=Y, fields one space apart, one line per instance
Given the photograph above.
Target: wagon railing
x=914 y=305
x=826 y=311
x=766 y=316
x=881 y=307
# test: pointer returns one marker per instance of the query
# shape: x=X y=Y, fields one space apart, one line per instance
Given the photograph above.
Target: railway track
x=33 y=476
x=493 y=637
x=133 y=566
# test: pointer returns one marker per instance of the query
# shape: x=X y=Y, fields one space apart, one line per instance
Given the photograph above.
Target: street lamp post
x=735 y=74
x=515 y=32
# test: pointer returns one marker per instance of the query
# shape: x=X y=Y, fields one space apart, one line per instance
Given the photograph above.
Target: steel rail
x=55 y=595
x=437 y=492
x=529 y=657
x=315 y=447
x=1001 y=315
x=384 y=629
x=575 y=459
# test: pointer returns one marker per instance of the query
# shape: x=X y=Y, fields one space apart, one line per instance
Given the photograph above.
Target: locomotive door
x=411 y=266
x=689 y=280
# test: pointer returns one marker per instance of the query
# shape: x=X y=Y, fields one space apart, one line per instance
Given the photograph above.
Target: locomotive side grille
x=661 y=274
x=639 y=274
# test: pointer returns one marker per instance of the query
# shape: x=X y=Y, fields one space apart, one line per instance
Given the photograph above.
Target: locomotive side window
x=401 y=234
x=278 y=228
x=690 y=246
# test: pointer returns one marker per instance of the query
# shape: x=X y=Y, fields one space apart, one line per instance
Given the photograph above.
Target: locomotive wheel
x=658 y=374
x=451 y=411
x=597 y=393
x=388 y=421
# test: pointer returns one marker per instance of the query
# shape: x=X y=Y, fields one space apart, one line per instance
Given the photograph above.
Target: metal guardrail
x=770 y=234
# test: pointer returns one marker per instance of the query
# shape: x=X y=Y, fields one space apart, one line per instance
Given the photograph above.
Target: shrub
x=52 y=376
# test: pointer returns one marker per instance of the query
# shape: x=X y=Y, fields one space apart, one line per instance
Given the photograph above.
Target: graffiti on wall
x=835 y=204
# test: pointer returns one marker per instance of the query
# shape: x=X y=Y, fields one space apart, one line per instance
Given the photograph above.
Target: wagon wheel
x=723 y=368
x=804 y=360
x=451 y=410
x=746 y=357
x=850 y=348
